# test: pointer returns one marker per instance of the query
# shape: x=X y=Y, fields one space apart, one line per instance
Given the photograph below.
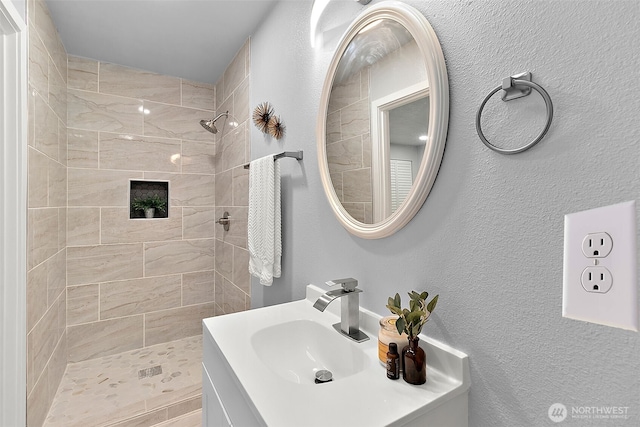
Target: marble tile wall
x=232 y=282
x=349 y=145
x=47 y=211
x=132 y=283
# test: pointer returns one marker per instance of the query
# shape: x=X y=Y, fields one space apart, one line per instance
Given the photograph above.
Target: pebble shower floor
x=160 y=385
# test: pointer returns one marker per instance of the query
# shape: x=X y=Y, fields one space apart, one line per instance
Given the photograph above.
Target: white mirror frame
x=431 y=51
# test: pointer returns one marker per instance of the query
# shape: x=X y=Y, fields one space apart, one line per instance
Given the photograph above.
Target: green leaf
x=432 y=304
x=395 y=310
x=424 y=295
x=414 y=317
x=400 y=325
x=397 y=301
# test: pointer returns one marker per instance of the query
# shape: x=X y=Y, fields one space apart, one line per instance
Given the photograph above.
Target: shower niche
x=145 y=195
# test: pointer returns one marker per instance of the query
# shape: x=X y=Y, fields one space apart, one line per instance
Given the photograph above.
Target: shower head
x=210 y=124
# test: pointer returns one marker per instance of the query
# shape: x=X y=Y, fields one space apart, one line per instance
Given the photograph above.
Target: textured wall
x=489 y=237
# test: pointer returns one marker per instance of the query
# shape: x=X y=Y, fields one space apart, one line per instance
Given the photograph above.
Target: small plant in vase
x=410 y=321
x=149 y=205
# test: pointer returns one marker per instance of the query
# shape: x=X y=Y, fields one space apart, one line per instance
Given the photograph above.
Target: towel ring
x=509 y=85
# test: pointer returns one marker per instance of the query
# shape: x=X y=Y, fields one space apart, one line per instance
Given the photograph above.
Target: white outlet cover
x=618 y=307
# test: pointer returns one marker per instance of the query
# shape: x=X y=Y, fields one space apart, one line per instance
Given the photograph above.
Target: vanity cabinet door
x=213 y=413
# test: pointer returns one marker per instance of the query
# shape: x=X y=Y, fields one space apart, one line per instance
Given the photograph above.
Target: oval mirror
x=382 y=121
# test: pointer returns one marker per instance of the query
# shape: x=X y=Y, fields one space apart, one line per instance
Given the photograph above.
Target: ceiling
x=192 y=39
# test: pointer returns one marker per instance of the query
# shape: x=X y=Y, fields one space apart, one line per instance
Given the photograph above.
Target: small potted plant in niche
x=410 y=321
x=149 y=205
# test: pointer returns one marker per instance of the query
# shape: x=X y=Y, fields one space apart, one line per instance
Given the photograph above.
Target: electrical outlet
x=600 y=274
x=597 y=245
x=596 y=279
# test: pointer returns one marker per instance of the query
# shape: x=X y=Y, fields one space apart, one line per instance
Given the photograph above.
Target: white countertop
x=366 y=398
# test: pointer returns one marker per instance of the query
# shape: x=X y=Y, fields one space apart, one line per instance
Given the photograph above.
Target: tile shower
x=100 y=284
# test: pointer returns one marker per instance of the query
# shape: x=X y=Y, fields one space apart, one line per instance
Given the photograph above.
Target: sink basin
x=296 y=350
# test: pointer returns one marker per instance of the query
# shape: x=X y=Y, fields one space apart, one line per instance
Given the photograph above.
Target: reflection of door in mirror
x=408 y=132
x=385 y=69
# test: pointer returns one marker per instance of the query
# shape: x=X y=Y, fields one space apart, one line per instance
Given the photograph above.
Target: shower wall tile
x=235 y=72
x=237 y=234
x=57 y=184
x=171 y=121
x=38 y=179
x=233 y=149
x=41 y=342
x=240 y=186
x=83 y=226
x=105 y=337
x=42 y=235
x=139 y=153
x=224 y=181
x=241 y=101
x=357 y=185
x=36 y=290
x=224 y=259
x=198 y=157
x=198 y=95
x=62 y=142
x=138 y=296
x=188 y=189
x=83 y=304
x=117 y=227
x=91 y=264
x=57 y=93
x=47 y=32
x=177 y=323
x=345 y=155
x=234 y=299
x=56 y=276
x=355 y=119
x=38 y=64
x=38 y=402
x=198 y=287
x=356 y=210
x=333 y=130
x=57 y=365
x=82 y=148
x=240 y=271
x=46 y=218
x=199 y=222
x=62 y=228
x=133 y=83
x=46 y=128
x=233 y=152
x=180 y=256
x=345 y=93
x=83 y=73
x=91 y=187
x=109 y=113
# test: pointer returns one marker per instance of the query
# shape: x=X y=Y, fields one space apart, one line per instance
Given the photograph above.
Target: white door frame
x=13 y=215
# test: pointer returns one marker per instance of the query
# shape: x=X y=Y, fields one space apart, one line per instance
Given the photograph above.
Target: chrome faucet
x=349 y=310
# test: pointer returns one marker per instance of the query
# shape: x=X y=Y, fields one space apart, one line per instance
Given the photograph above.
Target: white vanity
x=259 y=370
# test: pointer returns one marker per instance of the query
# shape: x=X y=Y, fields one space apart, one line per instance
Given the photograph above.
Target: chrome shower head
x=210 y=124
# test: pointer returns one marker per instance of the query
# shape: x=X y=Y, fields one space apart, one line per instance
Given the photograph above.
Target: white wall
x=489 y=237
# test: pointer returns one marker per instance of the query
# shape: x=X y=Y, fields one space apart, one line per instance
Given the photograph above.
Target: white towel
x=265 y=227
